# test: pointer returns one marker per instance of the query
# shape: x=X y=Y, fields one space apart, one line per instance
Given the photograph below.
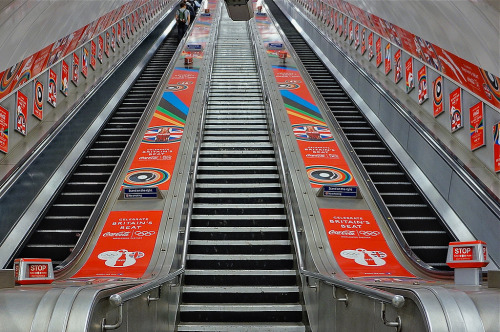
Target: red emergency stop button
x=33 y=271
x=469 y=254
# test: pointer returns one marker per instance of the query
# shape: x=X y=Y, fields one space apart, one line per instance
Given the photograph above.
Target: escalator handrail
x=380 y=295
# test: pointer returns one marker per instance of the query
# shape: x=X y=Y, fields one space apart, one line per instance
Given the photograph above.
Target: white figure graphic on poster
x=120 y=258
x=365 y=257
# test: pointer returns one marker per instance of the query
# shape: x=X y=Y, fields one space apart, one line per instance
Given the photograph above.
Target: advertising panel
x=100 y=48
x=422 y=85
x=476 y=116
x=107 y=44
x=113 y=38
x=397 y=67
x=387 y=60
x=356 y=36
x=456 y=115
x=437 y=100
x=125 y=245
x=75 y=77
x=21 y=112
x=378 y=49
x=93 y=52
x=38 y=99
x=52 y=90
x=363 y=41
x=64 y=77
x=85 y=62
x=409 y=75
x=358 y=244
x=351 y=32
x=370 y=46
x=4 y=130
x=496 y=145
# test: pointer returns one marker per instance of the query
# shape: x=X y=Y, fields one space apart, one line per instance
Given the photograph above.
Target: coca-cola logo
x=121 y=234
x=347 y=232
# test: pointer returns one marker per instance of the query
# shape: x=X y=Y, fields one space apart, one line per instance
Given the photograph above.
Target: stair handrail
x=381 y=295
x=118 y=299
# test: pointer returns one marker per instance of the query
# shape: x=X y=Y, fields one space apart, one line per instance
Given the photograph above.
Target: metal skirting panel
x=442 y=174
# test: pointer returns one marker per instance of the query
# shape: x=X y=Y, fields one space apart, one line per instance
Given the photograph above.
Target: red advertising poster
x=387 y=60
x=437 y=100
x=496 y=144
x=21 y=112
x=93 y=51
x=52 y=90
x=370 y=46
x=154 y=161
x=356 y=36
x=125 y=245
x=322 y=157
x=100 y=48
x=358 y=245
x=107 y=44
x=378 y=49
x=118 y=33
x=75 y=76
x=476 y=114
x=64 y=77
x=336 y=21
x=351 y=33
x=113 y=38
x=341 y=27
x=422 y=85
x=398 y=74
x=456 y=110
x=410 y=84
x=38 y=99
x=85 y=61
x=4 y=130
x=346 y=28
x=363 y=41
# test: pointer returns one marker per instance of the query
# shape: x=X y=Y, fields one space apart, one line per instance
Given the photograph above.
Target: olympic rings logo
x=144 y=233
x=369 y=233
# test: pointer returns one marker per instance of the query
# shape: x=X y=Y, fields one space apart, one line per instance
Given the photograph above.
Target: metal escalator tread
x=240 y=271
x=59 y=229
x=410 y=210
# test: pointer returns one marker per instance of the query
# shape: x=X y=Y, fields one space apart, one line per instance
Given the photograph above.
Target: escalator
x=60 y=228
x=421 y=227
x=240 y=270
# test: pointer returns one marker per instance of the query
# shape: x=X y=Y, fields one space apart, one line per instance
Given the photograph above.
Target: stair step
x=241 y=327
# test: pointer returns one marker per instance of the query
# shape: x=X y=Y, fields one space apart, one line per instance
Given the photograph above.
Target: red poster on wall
x=100 y=48
x=437 y=100
x=356 y=36
x=363 y=41
x=409 y=75
x=93 y=51
x=75 y=77
x=64 y=77
x=340 y=25
x=346 y=28
x=387 y=60
x=476 y=126
x=21 y=112
x=107 y=44
x=52 y=90
x=113 y=38
x=38 y=99
x=370 y=46
x=358 y=245
x=336 y=25
x=118 y=33
x=351 y=33
x=456 y=110
x=4 y=130
x=496 y=145
x=422 y=85
x=125 y=245
x=397 y=67
x=378 y=49
x=85 y=62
